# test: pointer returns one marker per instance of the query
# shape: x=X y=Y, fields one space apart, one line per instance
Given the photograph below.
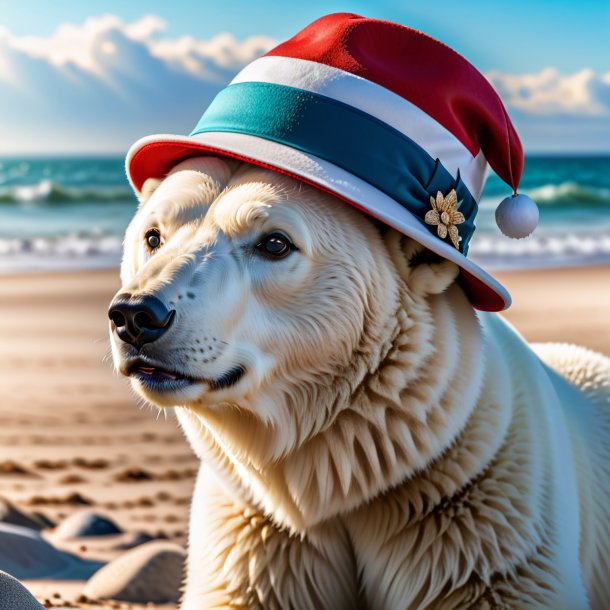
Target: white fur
x=387 y=447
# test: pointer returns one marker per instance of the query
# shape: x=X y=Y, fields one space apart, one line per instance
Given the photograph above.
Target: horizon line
x=119 y=155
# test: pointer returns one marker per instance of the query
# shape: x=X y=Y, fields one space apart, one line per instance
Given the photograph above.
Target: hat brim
x=154 y=156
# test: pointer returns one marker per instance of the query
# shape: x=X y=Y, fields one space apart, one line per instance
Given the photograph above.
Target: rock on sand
x=151 y=572
x=24 y=553
x=84 y=523
x=9 y=513
x=14 y=596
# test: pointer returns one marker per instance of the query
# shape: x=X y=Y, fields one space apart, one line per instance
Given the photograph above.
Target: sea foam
x=48 y=191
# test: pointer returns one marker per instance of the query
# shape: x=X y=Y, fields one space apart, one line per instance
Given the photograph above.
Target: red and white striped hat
x=379 y=115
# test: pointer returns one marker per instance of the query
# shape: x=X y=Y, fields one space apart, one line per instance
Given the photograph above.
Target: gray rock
x=151 y=572
x=85 y=523
x=133 y=540
x=14 y=596
x=44 y=520
x=9 y=513
x=24 y=553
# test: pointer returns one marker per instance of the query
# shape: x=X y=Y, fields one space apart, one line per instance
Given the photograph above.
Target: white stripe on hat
x=324 y=174
x=377 y=101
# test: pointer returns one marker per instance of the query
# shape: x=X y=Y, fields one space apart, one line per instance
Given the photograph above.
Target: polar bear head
x=266 y=309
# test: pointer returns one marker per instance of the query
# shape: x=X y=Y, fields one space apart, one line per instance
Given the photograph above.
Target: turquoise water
x=71 y=213
x=62 y=213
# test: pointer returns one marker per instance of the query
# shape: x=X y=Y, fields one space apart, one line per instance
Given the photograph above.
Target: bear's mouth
x=161 y=379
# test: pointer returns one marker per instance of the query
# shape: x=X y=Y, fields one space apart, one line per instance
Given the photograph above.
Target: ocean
x=70 y=213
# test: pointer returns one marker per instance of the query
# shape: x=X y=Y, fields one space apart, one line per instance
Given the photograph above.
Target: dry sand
x=71 y=434
x=570 y=305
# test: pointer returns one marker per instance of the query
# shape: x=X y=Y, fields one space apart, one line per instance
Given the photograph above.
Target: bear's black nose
x=139 y=319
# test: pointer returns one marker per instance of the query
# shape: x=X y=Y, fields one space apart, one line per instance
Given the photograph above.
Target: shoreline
x=111 y=262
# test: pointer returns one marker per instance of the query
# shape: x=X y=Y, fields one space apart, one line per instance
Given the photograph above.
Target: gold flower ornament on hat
x=445 y=216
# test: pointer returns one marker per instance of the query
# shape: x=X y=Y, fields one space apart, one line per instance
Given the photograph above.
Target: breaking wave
x=540 y=250
x=47 y=191
x=568 y=193
x=561 y=197
x=57 y=253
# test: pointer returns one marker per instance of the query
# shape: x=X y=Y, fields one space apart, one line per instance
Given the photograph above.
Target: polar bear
x=368 y=440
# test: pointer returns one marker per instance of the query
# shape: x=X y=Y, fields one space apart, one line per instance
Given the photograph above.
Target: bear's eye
x=153 y=239
x=275 y=246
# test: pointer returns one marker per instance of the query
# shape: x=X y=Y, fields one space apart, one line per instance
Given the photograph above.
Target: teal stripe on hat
x=345 y=136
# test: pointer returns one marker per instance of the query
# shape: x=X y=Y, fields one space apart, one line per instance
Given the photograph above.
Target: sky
x=92 y=77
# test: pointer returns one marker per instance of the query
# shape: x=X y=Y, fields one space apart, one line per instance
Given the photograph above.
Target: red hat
x=379 y=115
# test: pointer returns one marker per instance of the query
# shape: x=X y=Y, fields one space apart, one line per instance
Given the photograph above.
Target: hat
x=379 y=115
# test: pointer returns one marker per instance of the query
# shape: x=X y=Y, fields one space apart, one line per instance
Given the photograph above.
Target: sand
x=72 y=435
x=568 y=305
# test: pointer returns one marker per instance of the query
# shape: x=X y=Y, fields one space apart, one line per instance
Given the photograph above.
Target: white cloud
x=146 y=27
x=558 y=112
x=549 y=92
x=99 y=85
x=205 y=58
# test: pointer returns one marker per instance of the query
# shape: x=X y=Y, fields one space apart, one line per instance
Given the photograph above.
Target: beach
x=561 y=305
x=73 y=436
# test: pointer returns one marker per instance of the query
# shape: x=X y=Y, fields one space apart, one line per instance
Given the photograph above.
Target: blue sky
x=519 y=35
x=549 y=60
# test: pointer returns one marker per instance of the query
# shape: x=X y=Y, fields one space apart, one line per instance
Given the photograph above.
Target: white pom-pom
x=517 y=216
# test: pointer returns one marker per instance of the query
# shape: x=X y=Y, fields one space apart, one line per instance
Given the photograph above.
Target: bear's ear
x=148 y=188
x=424 y=271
